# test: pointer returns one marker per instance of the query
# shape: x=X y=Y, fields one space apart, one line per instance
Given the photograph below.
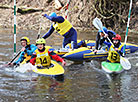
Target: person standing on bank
x=101 y=37
x=63 y=27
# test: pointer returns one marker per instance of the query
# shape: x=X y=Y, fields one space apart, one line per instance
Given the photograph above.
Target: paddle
x=11 y=60
x=127 y=65
x=123 y=61
x=98 y=24
x=15 y=56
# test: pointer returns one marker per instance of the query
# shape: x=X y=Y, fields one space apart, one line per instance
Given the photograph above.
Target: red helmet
x=117 y=37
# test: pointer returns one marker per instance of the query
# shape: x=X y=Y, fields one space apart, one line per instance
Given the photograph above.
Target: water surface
x=83 y=81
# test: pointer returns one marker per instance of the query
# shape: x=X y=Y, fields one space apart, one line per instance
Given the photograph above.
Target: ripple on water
x=84 y=82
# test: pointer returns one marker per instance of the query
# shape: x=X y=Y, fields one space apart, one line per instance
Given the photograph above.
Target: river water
x=82 y=82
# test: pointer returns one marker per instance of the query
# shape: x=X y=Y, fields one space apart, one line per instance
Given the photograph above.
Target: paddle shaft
x=11 y=60
x=15 y=56
x=98 y=24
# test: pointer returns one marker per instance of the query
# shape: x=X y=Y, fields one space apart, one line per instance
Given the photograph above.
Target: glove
x=44 y=15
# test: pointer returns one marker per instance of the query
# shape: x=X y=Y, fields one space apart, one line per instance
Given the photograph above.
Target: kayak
x=61 y=52
x=85 y=53
x=112 y=67
x=53 y=70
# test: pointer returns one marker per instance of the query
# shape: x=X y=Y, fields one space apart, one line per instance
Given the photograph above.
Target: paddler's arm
x=108 y=44
x=111 y=34
x=20 y=59
x=97 y=41
x=33 y=59
x=58 y=19
x=121 y=51
x=56 y=57
x=50 y=31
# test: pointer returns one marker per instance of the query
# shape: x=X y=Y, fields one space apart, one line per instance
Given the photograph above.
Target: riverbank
x=81 y=13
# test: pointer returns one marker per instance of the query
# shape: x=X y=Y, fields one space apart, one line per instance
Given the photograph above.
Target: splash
x=28 y=67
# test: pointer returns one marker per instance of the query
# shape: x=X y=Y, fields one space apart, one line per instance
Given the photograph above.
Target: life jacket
x=63 y=27
x=42 y=58
x=26 y=58
x=113 y=56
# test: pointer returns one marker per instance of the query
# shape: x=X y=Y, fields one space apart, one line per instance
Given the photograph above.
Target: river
x=82 y=82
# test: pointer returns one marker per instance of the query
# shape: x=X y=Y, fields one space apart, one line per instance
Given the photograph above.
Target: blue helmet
x=53 y=14
x=104 y=29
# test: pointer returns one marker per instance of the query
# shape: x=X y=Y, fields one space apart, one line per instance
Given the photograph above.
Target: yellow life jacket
x=27 y=58
x=63 y=27
x=113 y=55
x=43 y=58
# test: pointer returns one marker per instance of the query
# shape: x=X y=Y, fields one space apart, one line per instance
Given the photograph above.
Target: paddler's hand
x=44 y=15
x=63 y=63
x=95 y=51
x=116 y=49
x=23 y=49
x=106 y=35
x=10 y=64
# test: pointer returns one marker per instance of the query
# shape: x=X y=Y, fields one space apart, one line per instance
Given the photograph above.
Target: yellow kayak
x=55 y=69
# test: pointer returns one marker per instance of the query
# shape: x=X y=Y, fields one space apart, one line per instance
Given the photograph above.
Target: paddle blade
x=97 y=23
x=125 y=63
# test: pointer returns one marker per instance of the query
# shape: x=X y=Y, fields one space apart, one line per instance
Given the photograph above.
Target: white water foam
x=28 y=67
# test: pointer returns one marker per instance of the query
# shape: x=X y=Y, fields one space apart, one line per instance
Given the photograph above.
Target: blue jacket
x=29 y=50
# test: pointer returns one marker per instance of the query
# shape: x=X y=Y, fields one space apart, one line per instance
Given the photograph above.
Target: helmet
x=40 y=41
x=26 y=39
x=53 y=14
x=117 y=37
x=104 y=29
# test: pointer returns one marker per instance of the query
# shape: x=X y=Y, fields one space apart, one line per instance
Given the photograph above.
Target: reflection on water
x=82 y=82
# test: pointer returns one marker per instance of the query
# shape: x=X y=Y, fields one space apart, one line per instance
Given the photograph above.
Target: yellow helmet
x=40 y=41
x=27 y=40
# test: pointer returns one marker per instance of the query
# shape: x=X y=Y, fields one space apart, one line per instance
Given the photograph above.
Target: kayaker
x=42 y=55
x=101 y=37
x=63 y=27
x=116 y=51
x=27 y=51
